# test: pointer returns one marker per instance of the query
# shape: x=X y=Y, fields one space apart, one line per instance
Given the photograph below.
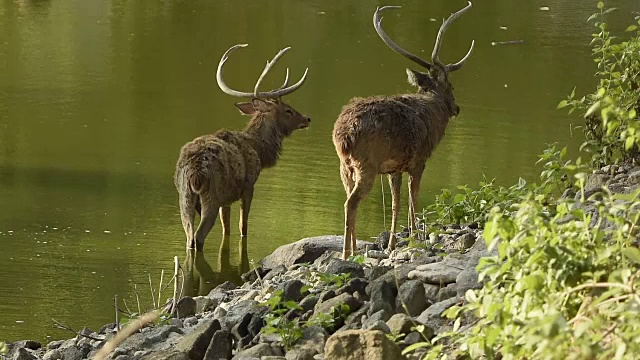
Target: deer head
x=436 y=78
x=268 y=105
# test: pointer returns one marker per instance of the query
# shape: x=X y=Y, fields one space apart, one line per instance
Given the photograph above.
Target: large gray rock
x=361 y=344
x=339 y=266
x=305 y=251
x=432 y=317
x=22 y=354
x=186 y=307
x=400 y=324
x=195 y=343
x=440 y=273
x=325 y=306
x=258 y=351
x=237 y=312
x=311 y=343
x=220 y=346
x=468 y=279
x=412 y=294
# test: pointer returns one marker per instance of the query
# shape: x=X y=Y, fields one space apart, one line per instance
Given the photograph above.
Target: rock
x=378 y=271
x=186 y=307
x=377 y=254
x=204 y=303
x=326 y=295
x=253 y=274
x=383 y=296
x=219 y=293
x=220 y=346
x=354 y=320
x=219 y=312
x=72 y=353
x=257 y=322
x=325 y=306
x=190 y=321
x=361 y=344
x=596 y=181
x=447 y=292
x=160 y=333
x=275 y=272
x=258 y=351
x=339 y=266
x=354 y=285
x=311 y=343
x=309 y=302
x=54 y=354
x=440 y=273
x=291 y=290
x=382 y=241
x=378 y=325
x=413 y=338
x=467 y=279
x=163 y=355
x=432 y=316
x=237 y=312
x=431 y=293
x=412 y=294
x=24 y=344
x=634 y=177
x=22 y=354
x=195 y=343
x=241 y=329
x=305 y=250
x=400 y=324
x=54 y=344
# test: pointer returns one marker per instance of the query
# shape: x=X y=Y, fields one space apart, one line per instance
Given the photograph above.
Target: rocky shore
x=303 y=302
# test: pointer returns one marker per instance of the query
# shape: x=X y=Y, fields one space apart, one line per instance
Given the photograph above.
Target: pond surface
x=97 y=97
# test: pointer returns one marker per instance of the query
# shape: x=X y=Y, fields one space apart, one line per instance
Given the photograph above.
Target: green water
x=96 y=98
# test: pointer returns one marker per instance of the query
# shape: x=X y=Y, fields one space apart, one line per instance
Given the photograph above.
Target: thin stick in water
x=160 y=287
x=153 y=295
x=174 y=309
x=115 y=301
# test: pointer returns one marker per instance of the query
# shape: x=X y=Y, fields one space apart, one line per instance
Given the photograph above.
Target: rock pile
x=383 y=297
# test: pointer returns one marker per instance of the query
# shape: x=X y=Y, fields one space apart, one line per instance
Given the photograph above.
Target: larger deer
x=394 y=134
x=214 y=171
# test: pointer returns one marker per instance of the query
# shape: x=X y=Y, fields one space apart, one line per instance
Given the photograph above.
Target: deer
x=216 y=170
x=394 y=134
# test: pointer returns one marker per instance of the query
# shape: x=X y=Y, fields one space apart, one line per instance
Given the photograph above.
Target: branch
x=64 y=326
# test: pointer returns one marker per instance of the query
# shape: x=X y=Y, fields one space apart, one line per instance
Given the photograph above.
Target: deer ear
x=246 y=108
x=412 y=77
x=260 y=105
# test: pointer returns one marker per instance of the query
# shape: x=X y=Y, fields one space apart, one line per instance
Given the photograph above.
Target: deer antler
x=377 y=24
x=281 y=91
x=436 y=48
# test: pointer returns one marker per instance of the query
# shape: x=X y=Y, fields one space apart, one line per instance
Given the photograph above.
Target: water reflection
x=200 y=278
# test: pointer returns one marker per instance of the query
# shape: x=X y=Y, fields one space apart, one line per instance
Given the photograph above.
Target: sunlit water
x=96 y=98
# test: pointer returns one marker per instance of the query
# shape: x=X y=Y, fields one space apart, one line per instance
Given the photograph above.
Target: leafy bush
x=471 y=205
x=3 y=348
x=563 y=286
x=612 y=126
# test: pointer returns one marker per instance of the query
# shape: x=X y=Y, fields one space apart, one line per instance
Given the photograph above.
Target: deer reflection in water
x=200 y=278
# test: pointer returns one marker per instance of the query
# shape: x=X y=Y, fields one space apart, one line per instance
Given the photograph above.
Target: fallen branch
x=64 y=326
x=127 y=331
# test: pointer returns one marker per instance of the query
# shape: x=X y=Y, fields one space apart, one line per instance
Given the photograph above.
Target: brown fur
x=391 y=135
x=214 y=171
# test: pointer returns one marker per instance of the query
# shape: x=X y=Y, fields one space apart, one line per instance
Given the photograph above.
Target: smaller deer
x=394 y=134
x=214 y=171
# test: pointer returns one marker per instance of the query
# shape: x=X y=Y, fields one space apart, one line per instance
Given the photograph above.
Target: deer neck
x=266 y=139
x=447 y=99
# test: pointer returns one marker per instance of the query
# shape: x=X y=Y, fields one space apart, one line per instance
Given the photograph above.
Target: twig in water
x=160 y=286
x=64 y=326
x=124 y=301
x=115 y=301
x=135 y=290
x=153 y=295
x=174 y=308
x=132 y=327
x=384 y=207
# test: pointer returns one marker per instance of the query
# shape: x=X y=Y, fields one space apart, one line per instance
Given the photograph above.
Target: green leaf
x=632 y=253
x=631 y=28
x=414 y=347
x=562 y=104
x=628 y=143
x=592 y=108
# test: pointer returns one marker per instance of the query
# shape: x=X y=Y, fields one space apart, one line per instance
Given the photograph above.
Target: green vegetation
x=612 y=125
x=564 y=282
x=3 y=348
x=278 y=319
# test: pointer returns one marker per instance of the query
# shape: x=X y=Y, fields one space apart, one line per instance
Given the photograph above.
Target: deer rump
x=221 y=165
x=392 y=132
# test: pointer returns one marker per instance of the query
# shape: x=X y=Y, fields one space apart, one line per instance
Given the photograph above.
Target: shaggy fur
x=214 y=171
x=391 y=135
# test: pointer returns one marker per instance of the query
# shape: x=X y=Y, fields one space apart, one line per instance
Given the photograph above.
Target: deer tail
x=197 y=178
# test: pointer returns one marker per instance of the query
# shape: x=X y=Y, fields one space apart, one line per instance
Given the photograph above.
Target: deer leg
x=395 y=181
x=245 y=206
x=360 y=191
x=225 y=216
x=346 y=174
x=414 y=189
x=187 y=214
x=207 y=220
x=244 y=257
